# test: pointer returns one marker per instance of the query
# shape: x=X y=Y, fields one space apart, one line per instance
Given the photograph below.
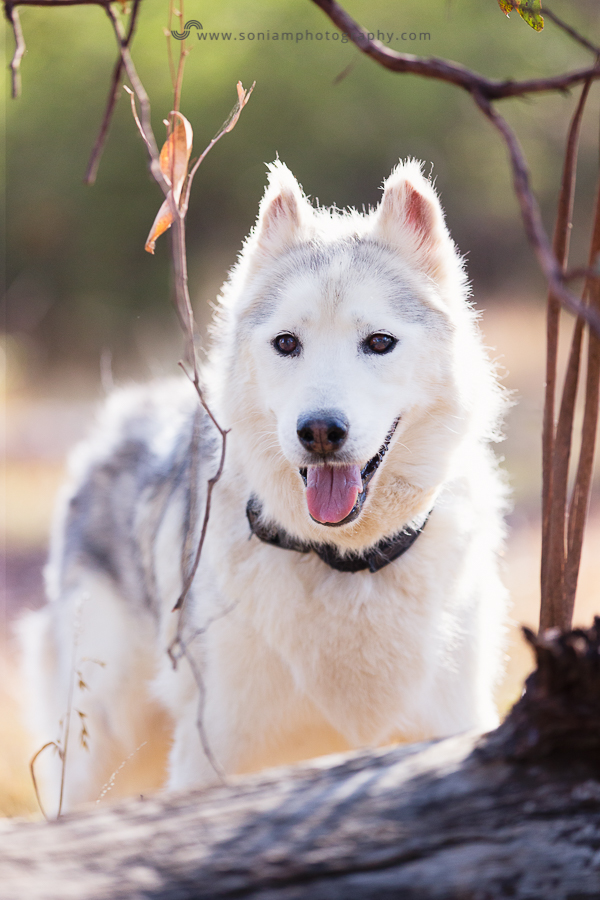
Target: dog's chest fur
x=352 y=643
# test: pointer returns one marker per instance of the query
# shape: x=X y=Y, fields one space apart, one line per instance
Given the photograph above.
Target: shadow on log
x=513 y=814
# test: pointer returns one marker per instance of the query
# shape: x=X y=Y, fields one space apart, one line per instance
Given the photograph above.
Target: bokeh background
x=86 y=307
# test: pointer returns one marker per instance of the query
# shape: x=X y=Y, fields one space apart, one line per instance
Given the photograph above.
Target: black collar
x=386 y=551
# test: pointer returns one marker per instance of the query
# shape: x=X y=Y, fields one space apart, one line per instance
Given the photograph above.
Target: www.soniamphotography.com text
x=294 y=37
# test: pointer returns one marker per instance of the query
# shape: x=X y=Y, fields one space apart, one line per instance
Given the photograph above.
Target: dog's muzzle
x=336 y=493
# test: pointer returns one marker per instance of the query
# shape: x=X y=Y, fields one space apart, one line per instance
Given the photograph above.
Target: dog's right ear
x=282 y=214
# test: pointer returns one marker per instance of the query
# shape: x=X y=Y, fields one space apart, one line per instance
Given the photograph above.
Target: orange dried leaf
x=176 y=152
x=163 y=221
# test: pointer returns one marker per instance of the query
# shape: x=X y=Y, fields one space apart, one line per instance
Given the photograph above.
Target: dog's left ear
x=410 y=218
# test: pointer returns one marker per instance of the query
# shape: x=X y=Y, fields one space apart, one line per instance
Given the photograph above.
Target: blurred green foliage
x=78 y=277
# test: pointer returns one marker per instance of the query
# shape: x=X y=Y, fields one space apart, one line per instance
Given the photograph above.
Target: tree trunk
x=515 y=815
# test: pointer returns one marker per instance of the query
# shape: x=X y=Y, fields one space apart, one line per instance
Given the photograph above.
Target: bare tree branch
x=484 y=90
x=553 y=541
x=553 y=509
x=532 y=219
x=13 y=17
x=571 y=31
x=566 y=526
x=575 y=274
x=142 y=97
x=445 y=70
x=583 y=479
x=113 y=96
x=50 y=3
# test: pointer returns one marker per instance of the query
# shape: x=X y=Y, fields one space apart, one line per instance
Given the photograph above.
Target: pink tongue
x=331 y=491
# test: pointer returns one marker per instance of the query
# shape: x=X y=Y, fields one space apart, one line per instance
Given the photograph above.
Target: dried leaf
x=174 y=161
x=176 y=152
x=163 y=221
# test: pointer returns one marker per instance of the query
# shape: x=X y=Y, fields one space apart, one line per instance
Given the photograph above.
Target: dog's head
x=343 y=370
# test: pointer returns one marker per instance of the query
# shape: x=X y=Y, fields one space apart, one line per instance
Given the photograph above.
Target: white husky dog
x=348 y=591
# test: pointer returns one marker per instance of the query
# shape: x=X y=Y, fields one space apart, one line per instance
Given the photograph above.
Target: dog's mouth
x=335 y=495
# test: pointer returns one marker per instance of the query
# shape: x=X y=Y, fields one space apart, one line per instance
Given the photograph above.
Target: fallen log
x=514 y=814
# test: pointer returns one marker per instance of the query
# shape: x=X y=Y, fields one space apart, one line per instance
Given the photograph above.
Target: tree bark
x=514 y=814
x=428 y=821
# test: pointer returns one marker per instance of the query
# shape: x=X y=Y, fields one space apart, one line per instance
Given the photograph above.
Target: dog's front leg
x=236 y=719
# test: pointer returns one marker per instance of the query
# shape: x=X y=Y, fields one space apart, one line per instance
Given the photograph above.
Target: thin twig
x=571 y=31
x=562 y=234
x=136 y=118
x=168 y=36
x=142 y=97
x=12 y=15
x=210 y=487
x=179 y=650
x=586 y=272
x=214 y=762
x=565 y=543
x=532 y=219
x=51 y=3
x=183 y=52
x=581 y=492
x=113 y=96
x=228 y=124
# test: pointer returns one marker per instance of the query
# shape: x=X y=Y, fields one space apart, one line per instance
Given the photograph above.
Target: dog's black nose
x=322 y=433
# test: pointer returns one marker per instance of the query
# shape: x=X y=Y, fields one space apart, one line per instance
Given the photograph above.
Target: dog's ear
x=410 y=218
x=283 y=212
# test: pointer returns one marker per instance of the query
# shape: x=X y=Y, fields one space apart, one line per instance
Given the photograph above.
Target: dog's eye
x=287 y=344
x=379 y=343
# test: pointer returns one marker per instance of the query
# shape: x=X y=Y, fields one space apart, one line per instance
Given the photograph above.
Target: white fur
x=308 y=660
